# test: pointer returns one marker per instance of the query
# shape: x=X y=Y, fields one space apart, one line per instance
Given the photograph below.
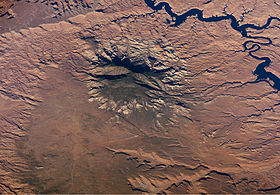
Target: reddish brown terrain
x=5 y=5
x=106 y=96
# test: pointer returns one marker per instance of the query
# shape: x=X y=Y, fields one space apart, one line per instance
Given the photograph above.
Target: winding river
x=252 y=45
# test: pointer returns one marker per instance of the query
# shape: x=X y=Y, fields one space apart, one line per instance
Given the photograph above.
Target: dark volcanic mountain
x=139 y=96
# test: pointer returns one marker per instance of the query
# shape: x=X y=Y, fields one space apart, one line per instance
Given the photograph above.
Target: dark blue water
x=260 y=72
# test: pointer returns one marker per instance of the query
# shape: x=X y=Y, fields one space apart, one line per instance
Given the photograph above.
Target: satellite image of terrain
x=139 y=96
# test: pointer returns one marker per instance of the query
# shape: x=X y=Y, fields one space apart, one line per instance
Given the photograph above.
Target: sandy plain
x=118 y=101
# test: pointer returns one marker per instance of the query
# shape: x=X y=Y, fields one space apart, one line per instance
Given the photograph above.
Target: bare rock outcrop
x=126 y=100
x=5 y=6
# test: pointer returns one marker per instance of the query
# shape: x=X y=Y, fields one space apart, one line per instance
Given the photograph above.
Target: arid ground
x=139 y=96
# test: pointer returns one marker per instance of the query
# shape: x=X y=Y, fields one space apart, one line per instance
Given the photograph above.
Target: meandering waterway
x=252 y=45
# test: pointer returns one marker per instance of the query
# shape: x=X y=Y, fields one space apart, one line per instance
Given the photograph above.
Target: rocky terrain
x=5 y=6
x=140 y=96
